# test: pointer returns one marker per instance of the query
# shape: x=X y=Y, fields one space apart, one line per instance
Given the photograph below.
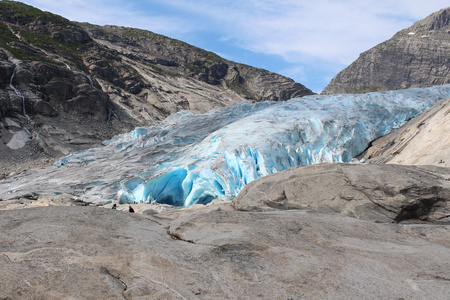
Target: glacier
x=195 y=158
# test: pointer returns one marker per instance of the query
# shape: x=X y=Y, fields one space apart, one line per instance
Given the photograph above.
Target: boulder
x=382 y=193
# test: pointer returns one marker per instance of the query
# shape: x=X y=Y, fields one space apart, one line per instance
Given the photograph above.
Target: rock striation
x=417 y=56
x=153 y=55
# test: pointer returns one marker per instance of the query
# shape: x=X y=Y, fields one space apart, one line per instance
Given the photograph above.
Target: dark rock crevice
x=123 y=286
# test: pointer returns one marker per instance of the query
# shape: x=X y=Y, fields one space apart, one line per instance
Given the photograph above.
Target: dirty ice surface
x=194 y=158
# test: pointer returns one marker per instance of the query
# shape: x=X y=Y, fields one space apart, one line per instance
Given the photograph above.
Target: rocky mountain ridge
x=67 y=86
x=417 y=56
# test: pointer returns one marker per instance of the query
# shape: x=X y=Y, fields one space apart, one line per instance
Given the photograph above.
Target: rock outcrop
x=69 y=86
x=157 y=58
x=215 y=252
x=382 y=193
x=417 y=56
x=424 y=140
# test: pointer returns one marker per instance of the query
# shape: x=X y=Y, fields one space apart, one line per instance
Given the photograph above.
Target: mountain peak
x=440 y=19
x=414 y=57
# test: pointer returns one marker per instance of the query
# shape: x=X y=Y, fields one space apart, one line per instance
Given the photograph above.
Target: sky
x=309 y=41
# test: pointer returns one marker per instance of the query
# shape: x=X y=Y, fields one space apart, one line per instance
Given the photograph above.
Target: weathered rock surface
x=382 y=193
x=424 y=140
x=155 y=55
x=70 y=86
x=417 y=56
x=284 y=237
x=56 y=111
x=92 y=252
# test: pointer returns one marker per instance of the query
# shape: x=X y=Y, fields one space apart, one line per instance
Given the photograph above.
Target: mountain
x=67 y=86
x=195 y=158
x=417 y=56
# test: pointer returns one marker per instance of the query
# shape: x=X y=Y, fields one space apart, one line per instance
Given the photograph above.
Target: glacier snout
x=304 y=131
x=194 y=158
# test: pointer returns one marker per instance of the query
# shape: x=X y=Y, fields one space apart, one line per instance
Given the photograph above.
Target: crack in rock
x=9 y=259
x=116 y=278
x=177 y=236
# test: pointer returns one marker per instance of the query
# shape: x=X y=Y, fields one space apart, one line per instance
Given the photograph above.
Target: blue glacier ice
x=195 y=158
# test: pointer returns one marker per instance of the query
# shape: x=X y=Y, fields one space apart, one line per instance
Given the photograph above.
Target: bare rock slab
x=423 y=140
x=96 y=253
x=383 y=193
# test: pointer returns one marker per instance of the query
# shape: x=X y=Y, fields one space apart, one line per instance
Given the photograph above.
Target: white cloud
x=296 y=71
x=300 y=31
x=332 y=30
x=326 y=29
x=114 y=12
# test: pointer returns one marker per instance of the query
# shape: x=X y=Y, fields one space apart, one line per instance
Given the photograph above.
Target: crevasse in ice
x=194 y=158
x=265 y=139
x=298 y=132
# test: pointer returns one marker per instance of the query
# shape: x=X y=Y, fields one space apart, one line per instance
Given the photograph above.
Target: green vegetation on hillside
x=141 y=33
x=363 y=89
x=6 y=36
x=126 y=32
x=44 y=40
x=37 y=28
x=23 y=14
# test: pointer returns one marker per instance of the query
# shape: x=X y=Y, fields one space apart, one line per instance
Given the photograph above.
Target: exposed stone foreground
x=217 y=252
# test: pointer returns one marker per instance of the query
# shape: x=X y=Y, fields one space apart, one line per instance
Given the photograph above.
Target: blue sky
x=308 y=41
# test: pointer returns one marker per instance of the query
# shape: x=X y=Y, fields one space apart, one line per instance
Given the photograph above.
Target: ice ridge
x=304 y=131
x=194 y=158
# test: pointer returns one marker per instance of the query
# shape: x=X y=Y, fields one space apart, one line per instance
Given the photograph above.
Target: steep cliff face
x=66 y=86
x=414 y=57
x=424 y=140
x=173 y=58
